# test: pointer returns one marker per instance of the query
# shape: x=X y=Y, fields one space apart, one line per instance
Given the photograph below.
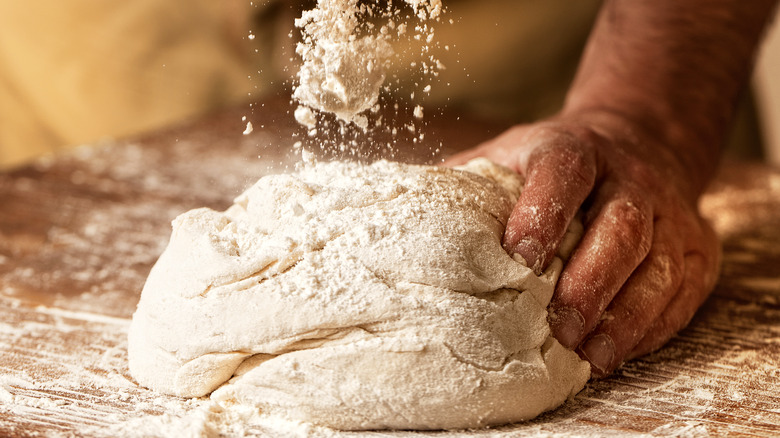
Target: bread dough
x=357 y=297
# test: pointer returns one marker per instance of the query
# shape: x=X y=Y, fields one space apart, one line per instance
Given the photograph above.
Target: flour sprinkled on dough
x=357 y=297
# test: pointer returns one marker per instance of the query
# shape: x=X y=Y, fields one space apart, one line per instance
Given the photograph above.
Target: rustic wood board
x=79 y=233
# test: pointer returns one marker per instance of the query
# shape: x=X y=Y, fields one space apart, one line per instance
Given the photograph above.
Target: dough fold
x=357 y=297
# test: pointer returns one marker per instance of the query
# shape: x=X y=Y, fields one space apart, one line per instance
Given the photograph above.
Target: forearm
x=673 y=68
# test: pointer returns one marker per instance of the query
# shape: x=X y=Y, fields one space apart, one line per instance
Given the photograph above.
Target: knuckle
x=570 y=155
x=675 y=266
x=518 y=131
x=665 y=276
x=633 y=222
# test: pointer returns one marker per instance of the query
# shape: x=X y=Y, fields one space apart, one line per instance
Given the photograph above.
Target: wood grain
x=79 y=233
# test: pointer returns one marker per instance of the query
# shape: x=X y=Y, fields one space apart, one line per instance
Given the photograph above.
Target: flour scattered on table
x=357 y=297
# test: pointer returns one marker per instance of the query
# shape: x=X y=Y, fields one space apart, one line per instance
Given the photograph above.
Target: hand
x=647 y=260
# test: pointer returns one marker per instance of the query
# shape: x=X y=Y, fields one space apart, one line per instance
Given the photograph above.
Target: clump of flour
x=346 y=55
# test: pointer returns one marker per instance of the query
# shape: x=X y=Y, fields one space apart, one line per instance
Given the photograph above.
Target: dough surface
x=357 y=297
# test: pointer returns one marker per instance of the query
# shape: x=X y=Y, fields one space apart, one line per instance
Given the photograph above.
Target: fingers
x=560 y=173
x=631 y=283
x=639 y=303
x=617 y=241
x=701 y=273
x=560 y=168
x=680 y=309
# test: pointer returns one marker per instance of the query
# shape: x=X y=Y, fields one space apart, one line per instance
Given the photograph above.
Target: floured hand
x=647 y=260
x=636 y=142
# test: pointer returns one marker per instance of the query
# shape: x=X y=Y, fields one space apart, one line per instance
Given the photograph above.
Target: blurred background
x=81 y=71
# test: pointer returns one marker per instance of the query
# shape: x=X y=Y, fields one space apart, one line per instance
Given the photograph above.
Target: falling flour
x=357 y=297
x=345 y=57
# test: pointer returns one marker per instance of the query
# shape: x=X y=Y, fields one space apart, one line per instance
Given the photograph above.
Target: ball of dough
x=357 y=297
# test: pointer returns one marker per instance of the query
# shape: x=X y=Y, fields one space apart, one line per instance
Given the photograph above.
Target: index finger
x=560 y=174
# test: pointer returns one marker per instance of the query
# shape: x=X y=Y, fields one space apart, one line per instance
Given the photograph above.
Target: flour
x=345 y=56
x=356 y=297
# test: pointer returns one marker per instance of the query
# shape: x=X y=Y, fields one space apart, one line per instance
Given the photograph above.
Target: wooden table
x=79 y=233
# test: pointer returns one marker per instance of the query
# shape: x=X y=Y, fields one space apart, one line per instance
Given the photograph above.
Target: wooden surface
x=79 y=233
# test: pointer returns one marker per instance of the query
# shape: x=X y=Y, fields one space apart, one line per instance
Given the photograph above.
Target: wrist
x=672 y=71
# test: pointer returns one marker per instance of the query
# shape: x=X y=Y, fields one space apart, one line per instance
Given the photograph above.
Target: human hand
x=647 y=260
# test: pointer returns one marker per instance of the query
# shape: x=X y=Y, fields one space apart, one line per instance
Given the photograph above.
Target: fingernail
x=530 y=250
x=600 y=352
x=567 y=325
